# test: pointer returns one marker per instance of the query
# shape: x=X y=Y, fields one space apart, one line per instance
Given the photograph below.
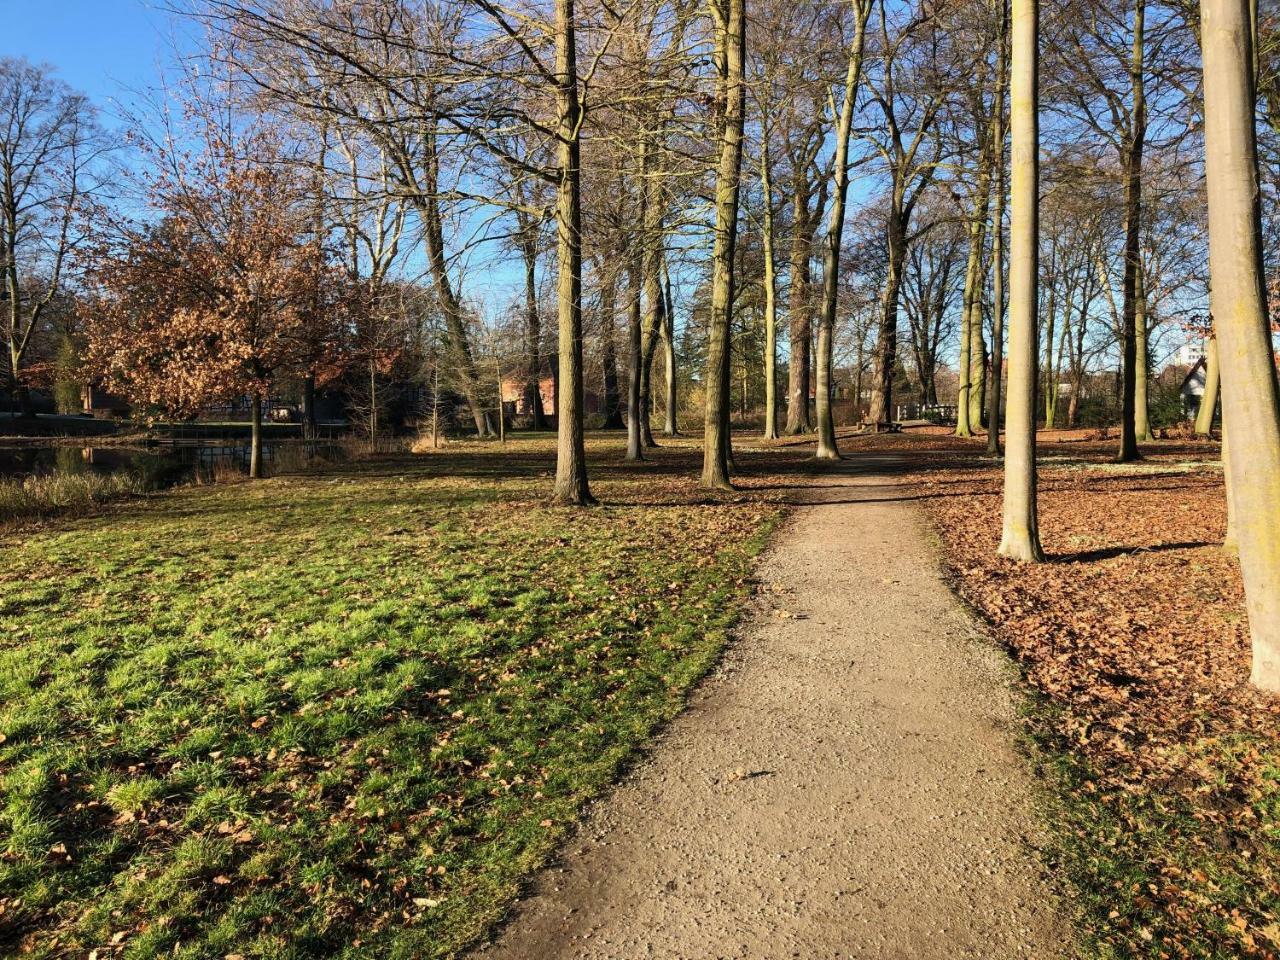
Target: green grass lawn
x=339 y=714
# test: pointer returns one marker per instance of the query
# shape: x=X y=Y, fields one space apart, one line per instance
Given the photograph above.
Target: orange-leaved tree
x=226 y=289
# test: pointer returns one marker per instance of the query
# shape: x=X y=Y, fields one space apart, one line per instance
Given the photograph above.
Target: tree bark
x=886 y=354
x=428 y=208
x=800 y=318
x=971 y=297
x=1250 y=394
x=1050 y=389
x=994 y=396
x=255 y=436
x=978 y=356
x=609 y=351
x=651 y=333
x=1230 y=543
x=655 y=304
x=1209 y=402
x=532 y=327
x=827 y=449
x=731 y=30
x=571 y=456
x=1142 y=364
x=1132 y=240
x=635 y=361
x=671 y=426
x=770 y=299
x=309 y=427
x=1020 y=539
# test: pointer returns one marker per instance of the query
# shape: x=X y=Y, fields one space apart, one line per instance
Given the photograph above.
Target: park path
x=845 y=786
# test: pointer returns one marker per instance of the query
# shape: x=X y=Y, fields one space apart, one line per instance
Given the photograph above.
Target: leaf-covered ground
x=1167 y=762
x=345 y=714
x=339 y=714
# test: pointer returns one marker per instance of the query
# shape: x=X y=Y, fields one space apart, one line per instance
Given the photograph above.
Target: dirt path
x=845 y=786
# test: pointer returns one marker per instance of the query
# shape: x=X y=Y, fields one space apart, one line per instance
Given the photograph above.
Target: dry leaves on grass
x=1135 y=634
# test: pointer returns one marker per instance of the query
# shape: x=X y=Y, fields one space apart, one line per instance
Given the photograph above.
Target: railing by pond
x=933 y=412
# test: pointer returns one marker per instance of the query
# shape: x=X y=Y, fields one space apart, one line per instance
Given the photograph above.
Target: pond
x=163 y=464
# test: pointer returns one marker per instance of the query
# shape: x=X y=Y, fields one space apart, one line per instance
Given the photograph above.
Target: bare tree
x=50 y=143
x=827 y=449
x=915 y=79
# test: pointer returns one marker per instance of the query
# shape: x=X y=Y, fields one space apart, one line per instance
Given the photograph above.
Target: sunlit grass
x=341 y=714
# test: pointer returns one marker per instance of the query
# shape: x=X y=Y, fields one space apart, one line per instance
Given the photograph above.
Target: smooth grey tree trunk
x=1020 y=537
x=1209 y=402
x=1250 y=393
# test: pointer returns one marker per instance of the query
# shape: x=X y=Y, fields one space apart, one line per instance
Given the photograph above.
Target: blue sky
x=115 y=50
x=104 y=48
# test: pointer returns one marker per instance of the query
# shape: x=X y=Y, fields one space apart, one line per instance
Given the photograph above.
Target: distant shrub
x=1097 y=412
x=220 y=471
x=425 y=441
x=44 y=495
x=1164 y=404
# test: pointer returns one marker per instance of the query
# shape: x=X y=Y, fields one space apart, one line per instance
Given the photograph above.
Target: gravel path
x=845 y=786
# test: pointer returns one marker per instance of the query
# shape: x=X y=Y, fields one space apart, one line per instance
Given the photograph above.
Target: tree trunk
x=994 y=396
x=1077 y=364
x=799 y=319
x=532 y=332
x=1230 y=542
x=1142 y=365
x=435 y=407
x=969 y=312
x=1020 y=538
x=571 y=455
x=655 y=313
x=1209 y=402
x=609 y=352
x=1063 y=346
x=1052 y=315
x=671 y=426
x=978 y=358
x=827 y=449
x=373 y=405
x=1132 y=241
x=770 y=300
x=309 y=427
x=1250 y=395
x=716 y=440
x=433 y=236
x=502 y=407
x=255 y=436
x=886 y=355
x=635 y=358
